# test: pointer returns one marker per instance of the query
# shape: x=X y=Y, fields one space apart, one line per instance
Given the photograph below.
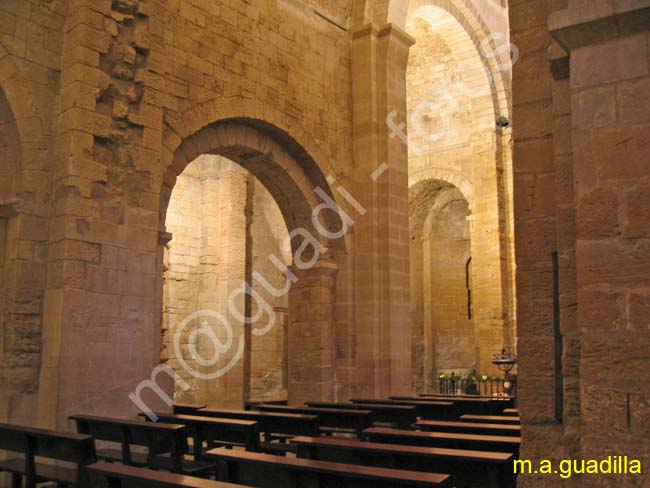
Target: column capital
x=603 y=20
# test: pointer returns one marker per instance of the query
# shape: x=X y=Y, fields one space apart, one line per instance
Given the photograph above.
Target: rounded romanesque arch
x=440 y=247
x=488 y=44
x=308 y=206
x=281 y=155
x=294 y=181
x=427 y=175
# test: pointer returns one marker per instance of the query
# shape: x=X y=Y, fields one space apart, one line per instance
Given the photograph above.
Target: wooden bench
x=331 y=420
x=187 y=408
x=266 y=471
x=274 y=426
x=76 y=449
x=429 y=410
x=158 y=438
x=491 y=419
x=217 y=431
x=497 y=401
x=477 y=406
x=495 y=443
x=252 y=405
x=468 y=469
x=121 y=476
x=511 y=411
x=403 y=416
x=470 y=428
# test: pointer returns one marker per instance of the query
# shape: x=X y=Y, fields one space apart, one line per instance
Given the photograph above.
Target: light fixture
x=505 y=361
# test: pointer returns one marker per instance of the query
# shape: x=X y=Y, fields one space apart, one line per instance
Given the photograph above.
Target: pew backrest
x=444 y=439
x=223 y=431
x=120 y=476
x=270 y=422
x=336 y=418
x=157 y=437
x=402 y=415
x=470 y=427
x=31 y=442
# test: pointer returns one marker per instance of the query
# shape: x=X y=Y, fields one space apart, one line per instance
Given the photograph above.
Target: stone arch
x=281 y=156
x=467 y=15
x=10 y=153
x=447 y=175
x=18 y=98
x=298 y=185
x=443 y=333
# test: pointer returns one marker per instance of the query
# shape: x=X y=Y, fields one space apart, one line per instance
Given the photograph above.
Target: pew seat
x=468 y=469
x=267 y=471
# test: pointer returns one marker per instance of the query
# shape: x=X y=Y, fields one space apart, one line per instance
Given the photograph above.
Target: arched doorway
x=305 y=211
x=441 y=283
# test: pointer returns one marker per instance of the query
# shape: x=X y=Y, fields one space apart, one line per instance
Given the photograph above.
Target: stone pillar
x=609 y=92
x=222 y=272
x=311 y=334
x=418 y=346
x=429 y=325
x=380 y=240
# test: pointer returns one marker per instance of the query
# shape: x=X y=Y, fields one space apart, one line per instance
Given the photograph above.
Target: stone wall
x=579 y=166
x=268 y=233
x=30 y=40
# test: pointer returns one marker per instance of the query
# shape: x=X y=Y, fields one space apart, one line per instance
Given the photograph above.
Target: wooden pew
x=187 y=408
x=470 y=428
x=273 y=425
x=495 y=443
x=495 y=419
x=477 y=406
x=404 y=416
x=430 y=410
x=252 y=405
x=29 y=442
x=158 y=438
x=217 y=431
x=121 y=476
x=511 y=411
x=331 y=420
x=265 y=471
x=505 y=402
x=468 y=469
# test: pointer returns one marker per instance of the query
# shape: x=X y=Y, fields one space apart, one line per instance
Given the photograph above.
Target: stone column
x=222 y=272
x=609 y=92
x=311 y=334
x=380 y=241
